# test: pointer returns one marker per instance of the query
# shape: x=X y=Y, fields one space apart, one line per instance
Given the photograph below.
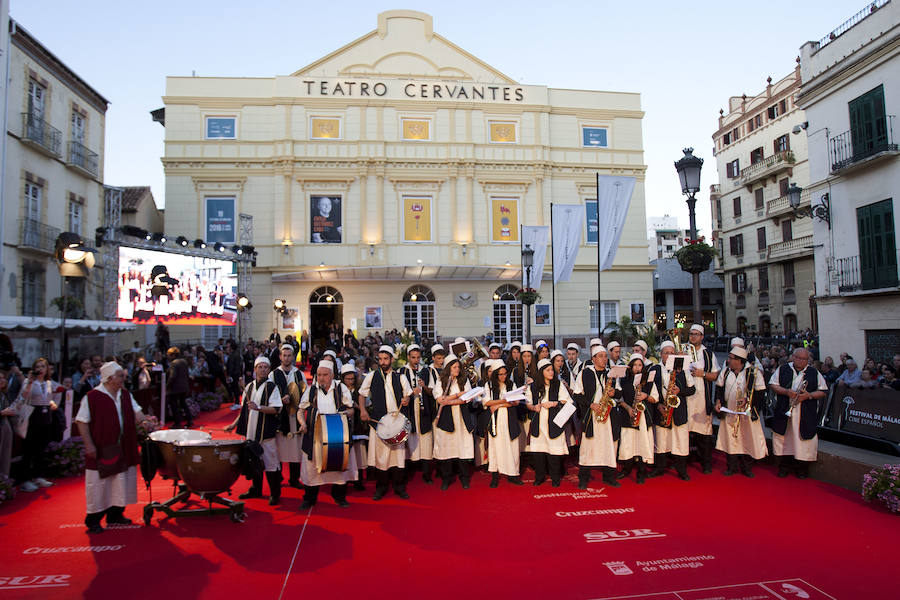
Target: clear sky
x=685 y=59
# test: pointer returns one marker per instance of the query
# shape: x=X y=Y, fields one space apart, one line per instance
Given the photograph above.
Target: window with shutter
x=782 y=144
x=868 y=125
x=787 y=270
x=740 y=243
x=783 y=186
x=756 y=155
x=734 y=283
x=737 y=206
x=787 y=230
x=761 y=238
x=877 y=245
x=758 y=197
x=763 y=278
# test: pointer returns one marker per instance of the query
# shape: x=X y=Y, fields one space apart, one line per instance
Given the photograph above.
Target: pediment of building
x=404 y=45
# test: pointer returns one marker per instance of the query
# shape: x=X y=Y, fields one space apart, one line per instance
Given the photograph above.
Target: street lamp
x=821 y=211
x=688 y=169
x=527 y=264
x=75 y=259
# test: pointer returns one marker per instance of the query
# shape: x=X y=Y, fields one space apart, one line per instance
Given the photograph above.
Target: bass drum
x=165 y=440
x=331 y=443
x=209 y=466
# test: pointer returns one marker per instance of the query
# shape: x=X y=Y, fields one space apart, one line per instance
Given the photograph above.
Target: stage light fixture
x=133 y=231
x=280 y=305
x=219 y=247
x=237 y=250
x=158 y=237
x=199 y=244
x=181 y=241
x=243 y=302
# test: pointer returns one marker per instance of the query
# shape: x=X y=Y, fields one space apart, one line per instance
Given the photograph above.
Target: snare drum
x=394 y=428
x=331 y=443
x=209 y=466
x=165 y=440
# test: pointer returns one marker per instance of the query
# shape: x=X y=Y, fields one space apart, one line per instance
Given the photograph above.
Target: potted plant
x=696 y=256
x=74 y=307
x=528 y=296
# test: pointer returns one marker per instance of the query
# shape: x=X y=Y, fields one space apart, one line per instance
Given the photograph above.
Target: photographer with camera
x=37 y=393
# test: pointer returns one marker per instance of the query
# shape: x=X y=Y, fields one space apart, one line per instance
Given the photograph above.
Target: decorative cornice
x=219 y=184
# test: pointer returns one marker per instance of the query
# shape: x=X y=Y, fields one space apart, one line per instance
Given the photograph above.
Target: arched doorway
x=418 y=311
x=742 y=325
x=507 y=314
x=765 y=326
x=790 y=323
x=326 y=315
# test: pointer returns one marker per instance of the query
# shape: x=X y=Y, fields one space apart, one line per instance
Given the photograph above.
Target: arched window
x=418 y=311
x=507 y=314
x=325 y=295
x=789 y=296
x=790 y=323
x=740 y=301
x=763 y=299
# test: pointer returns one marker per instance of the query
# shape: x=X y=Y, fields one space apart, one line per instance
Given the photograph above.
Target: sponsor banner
x=614 y=197
x=872 y=412
x=537 y=237
x=618 y=535
x=26 y=582
x=595 y=512
x=566 y=220
x=71 y=549
x=577 y=495
x=505 y=219
x=220 y=225
x=417 y=219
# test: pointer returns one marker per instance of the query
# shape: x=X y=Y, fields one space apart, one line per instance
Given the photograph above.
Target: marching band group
x=535 y=406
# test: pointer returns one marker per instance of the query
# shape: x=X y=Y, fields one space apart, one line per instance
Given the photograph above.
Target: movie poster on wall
x=325 y=220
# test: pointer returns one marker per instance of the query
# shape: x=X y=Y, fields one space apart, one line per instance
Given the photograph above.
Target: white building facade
x=388 y=182
x=851 y=94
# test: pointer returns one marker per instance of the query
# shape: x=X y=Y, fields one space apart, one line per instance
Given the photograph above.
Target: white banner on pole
x=537 y=237
x=567 y=221
x=613 y=200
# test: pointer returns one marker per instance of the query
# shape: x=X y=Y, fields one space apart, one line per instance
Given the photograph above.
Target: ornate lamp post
x=527 y=264
x=689 y=174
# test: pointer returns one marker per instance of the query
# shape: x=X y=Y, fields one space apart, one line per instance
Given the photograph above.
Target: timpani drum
x=331 y=443
x=165 y=440
x=209 y=467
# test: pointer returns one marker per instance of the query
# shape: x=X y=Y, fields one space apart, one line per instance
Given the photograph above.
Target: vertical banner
x=536 y=237
x=505 y=219
x=567 y=220
x=613 y=199
x=220 y=220
x=590 y=209
x=417 y=219
x=325 y=221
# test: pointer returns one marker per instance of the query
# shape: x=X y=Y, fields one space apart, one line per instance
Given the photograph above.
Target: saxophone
x=639 y=406
x=672 y=400
x=606 y=403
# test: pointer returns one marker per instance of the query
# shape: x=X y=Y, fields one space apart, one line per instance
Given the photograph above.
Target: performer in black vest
x=454 y=444
x=288 y=438
x=547 y=443
x=502 y=425
x=359 y=430
x=794 y=439
x=636 y=440
x=672 y=439
x=258 y=421
x=420 y=412
x=705 y=369
x=384 y=391
x=741 y=389
x=600 y=422
x=573 y=365
x=326 y=397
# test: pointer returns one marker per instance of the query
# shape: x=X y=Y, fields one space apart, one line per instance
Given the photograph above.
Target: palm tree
x=625 y=331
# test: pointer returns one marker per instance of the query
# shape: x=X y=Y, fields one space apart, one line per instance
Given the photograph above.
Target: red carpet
x=762 y=538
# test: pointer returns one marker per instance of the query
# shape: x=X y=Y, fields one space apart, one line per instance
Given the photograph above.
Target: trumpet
x=606 y=403
x=794 y=399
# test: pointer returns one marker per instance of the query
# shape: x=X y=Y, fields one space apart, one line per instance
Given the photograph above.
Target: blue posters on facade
x=220 y=220
x=593 y=137
x=590 y=211
x=220 y=127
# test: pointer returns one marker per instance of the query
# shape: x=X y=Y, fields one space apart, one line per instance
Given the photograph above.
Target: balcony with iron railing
x=854 y=277
x=780 y=161
x=39 y=134
x=35 y=235
x=858 y=146
x=791 y=248
x=81 y=158
x=850 y=23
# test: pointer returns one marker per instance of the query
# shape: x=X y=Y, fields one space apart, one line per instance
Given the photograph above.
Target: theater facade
x=387 y=183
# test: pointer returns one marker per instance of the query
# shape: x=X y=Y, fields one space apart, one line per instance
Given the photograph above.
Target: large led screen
x=175 y=289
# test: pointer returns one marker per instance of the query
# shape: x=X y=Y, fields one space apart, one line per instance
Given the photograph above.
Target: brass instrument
x=467 y=360
x=745 y=399
x=607 y=403
x=293 y=406
x=639 y=406
x=672 y=400
x=794 y=398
